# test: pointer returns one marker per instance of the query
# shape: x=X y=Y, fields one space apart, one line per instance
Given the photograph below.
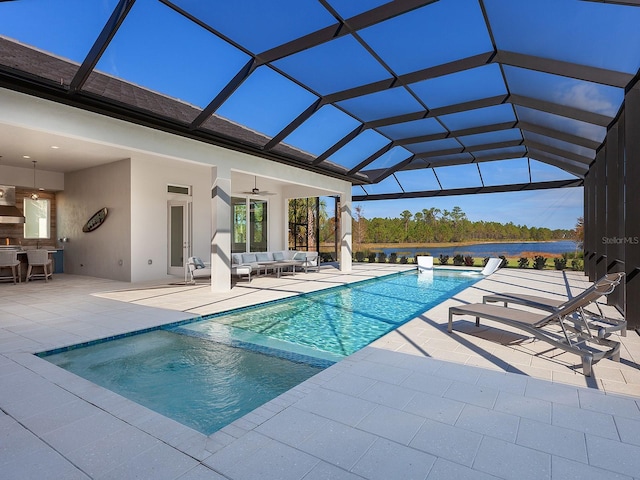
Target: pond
x=481 y=250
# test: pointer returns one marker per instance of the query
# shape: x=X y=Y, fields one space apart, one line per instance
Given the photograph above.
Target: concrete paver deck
x=418 y=403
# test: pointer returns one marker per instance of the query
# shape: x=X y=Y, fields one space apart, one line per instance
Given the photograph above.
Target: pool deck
x=480 y=403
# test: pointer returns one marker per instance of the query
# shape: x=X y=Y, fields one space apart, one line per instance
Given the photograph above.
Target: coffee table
x=285 y=264
x=267 y=264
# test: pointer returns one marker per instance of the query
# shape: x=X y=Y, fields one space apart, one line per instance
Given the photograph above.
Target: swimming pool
x=337 y=322
x=207 y=373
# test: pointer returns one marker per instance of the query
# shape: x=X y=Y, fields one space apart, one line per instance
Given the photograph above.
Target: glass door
x=239 y=225
x=258 y=223
x=179 y=244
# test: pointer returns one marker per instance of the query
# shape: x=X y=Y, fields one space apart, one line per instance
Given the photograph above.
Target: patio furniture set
x=244 y=265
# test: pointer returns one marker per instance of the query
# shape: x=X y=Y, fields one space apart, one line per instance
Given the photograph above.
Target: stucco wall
x=105 y=252
x=150 y=177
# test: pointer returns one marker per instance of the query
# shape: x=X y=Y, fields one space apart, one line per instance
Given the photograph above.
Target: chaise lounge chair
x=569 y=327
x=492 y=265
x=425 y=263
x=605 y=325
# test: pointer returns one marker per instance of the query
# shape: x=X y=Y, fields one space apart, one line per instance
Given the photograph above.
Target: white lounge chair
x=425 y=263
x=197 y=269
x=492 y=265
x=568 y=328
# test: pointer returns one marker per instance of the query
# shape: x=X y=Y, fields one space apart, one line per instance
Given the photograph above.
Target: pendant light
x=34 y=195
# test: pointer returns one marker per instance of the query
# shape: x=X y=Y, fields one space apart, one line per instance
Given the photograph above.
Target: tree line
x=432 y=225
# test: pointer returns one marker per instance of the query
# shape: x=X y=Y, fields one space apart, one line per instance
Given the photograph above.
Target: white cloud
x=586 y=96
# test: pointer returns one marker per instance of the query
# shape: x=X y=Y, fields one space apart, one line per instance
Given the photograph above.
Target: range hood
x=9 y=213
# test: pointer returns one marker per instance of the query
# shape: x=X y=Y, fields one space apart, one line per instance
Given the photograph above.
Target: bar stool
x=39 y=258
x=10 y=260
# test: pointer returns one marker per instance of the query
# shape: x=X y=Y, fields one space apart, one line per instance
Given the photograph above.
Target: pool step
x=237 y=337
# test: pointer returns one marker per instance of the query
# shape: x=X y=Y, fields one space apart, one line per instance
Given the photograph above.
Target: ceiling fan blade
x=256 y=190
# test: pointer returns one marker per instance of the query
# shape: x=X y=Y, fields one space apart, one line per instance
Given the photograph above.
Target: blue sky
x=554 y=209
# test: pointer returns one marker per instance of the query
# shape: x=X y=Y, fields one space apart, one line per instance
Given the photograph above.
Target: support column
x=632 y=207
x=220 y=229
x=346 y=245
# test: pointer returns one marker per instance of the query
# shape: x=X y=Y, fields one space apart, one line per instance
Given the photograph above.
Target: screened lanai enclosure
x=404 y=99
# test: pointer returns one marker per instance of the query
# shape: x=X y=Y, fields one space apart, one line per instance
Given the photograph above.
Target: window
x=36 y=213
x=179 y=189
x=248 y=231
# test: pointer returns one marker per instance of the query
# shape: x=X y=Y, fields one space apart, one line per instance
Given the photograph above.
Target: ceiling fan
x=256 y=191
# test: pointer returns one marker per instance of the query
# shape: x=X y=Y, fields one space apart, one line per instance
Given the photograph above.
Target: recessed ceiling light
x=26 y=156
x=55 y=147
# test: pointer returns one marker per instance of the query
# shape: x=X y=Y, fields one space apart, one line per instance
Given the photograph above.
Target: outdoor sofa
x=264 y=261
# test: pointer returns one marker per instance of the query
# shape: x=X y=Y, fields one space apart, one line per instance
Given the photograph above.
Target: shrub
x=560 y=263
x=404 y=260
x=485 y=260
x=382 y=257
x=523 y=262
x=539 y=262
x=372 y=257
x=326 y=257
x=444 y=259
x=359 y=256
x=577 y=264
x=458 y=260
x=504 y=261
x=393 y=257
x=469 y=261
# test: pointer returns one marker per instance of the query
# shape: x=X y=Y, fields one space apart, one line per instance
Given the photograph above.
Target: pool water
x=199 y=383
x=337 y=322
x=208 y=373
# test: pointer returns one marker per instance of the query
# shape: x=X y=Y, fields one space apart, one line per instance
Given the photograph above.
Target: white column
x=220 y=229
x=346 y=246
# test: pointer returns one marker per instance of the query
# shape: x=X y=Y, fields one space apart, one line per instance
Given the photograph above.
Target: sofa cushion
x=249 y=258
x=300 y=256
x=264 y=256
x=278 y=256
x=236 y=258
x=198 y=263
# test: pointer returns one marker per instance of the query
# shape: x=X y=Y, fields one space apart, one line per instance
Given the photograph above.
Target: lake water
x=482 y=250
